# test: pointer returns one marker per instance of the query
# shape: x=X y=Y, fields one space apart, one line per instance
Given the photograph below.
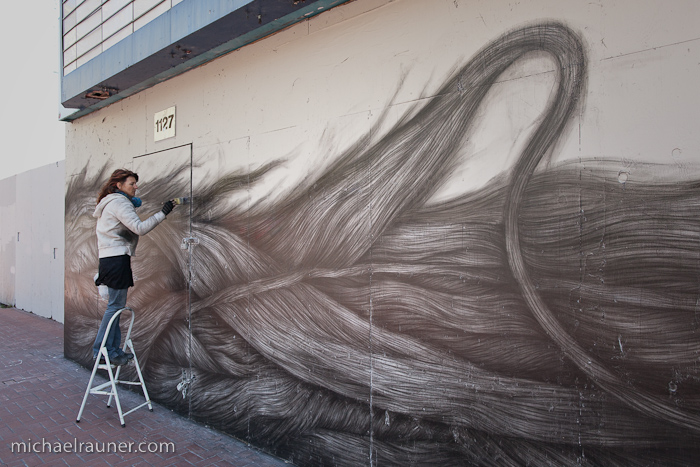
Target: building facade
x=455 y=231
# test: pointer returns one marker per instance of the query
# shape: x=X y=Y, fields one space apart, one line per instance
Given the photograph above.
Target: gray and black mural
x=547 y=318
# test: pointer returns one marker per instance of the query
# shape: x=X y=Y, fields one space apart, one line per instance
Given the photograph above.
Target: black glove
x=167 y=207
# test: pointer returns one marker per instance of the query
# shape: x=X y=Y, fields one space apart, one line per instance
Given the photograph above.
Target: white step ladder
x=114 y=376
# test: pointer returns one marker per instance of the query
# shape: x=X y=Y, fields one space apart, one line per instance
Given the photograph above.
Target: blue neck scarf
x=134 y=200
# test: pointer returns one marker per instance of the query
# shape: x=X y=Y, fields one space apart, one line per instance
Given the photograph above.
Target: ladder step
x=101 y=386
x=101 y=364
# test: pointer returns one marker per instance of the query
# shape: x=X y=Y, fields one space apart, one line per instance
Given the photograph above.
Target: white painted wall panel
x=111 y=7
x=141 y=7
x=25 y=285
x=8 y=240
x=69 y=21
x=68 y=7
x=68 y=40
x=87 y=8
x=39 y=241
x=89 y=42
x=71 y=53
x=121 y=34
x=149 y=15
x=92 y=53
x=88 y=24
x=117 y=22
x=93 y=22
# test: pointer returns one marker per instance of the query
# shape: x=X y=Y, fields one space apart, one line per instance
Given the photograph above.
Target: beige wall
x=324 y=80
x=437 y=353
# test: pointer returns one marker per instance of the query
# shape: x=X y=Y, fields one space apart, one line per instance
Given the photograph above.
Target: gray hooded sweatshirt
x=119 y=227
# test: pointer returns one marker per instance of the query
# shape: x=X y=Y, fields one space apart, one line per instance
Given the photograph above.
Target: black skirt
x=115 y=272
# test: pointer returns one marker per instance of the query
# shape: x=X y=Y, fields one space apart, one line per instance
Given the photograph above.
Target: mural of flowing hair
x=547 y=318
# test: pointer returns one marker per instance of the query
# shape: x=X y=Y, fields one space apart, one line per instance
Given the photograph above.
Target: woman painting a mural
x=118 y=230
x=547 y=318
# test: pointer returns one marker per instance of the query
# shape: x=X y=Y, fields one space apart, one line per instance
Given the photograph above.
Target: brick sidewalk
x=40 y=395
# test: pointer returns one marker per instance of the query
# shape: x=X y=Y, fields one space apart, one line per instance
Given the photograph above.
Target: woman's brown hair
x=119 y=175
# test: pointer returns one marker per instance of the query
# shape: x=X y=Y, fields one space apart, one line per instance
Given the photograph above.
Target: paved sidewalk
x=40 y=395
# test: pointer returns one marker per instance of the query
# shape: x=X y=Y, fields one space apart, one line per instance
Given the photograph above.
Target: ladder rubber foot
x=123 y=425
x=77 y=421
x=150 y=410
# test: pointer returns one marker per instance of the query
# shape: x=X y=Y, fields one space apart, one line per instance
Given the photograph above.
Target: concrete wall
x=407 y=254
x=33 y=240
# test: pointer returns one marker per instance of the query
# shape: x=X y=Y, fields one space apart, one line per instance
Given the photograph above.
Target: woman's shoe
x=119 y=360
